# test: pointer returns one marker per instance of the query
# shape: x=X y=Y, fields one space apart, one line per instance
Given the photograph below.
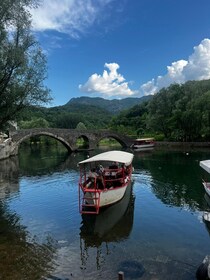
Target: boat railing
x=114 y=177
x=88 y=204
x=110 y=177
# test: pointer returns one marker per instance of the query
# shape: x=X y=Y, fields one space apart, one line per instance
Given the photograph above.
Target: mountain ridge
x=114 y=106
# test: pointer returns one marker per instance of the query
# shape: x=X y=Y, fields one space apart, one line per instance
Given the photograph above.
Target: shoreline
x=182 y=144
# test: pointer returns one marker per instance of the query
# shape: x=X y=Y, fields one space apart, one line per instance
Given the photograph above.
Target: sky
x=122 y=48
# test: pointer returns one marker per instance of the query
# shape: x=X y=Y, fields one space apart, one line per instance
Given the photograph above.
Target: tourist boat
x=142 y=144
x=105 y=223
x=103 y=180
x=205 y=164
x=112 y=224
x=105 y=228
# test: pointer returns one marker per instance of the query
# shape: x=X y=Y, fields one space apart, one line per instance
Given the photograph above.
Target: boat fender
x=203 y=271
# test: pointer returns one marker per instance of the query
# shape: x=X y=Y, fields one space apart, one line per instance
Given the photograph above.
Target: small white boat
x=142 y=144
x=205 y=164
x=103 y=180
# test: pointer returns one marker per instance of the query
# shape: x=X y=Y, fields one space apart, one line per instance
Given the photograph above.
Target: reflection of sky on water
x=47 y=204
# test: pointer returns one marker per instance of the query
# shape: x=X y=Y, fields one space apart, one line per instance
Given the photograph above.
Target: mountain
x=114 y=106
x=95 y=113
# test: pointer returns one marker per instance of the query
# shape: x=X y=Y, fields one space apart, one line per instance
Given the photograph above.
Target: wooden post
x=120 y=275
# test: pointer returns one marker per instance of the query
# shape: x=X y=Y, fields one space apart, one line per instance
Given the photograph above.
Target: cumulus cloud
x=112 y=84
x=109 y=84
x=197 y=67
x=73 y=17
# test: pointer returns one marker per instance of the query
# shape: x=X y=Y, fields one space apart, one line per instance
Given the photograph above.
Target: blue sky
x=122 y=48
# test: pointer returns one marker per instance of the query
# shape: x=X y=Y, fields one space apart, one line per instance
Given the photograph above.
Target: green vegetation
x=114 y=106
x=90 y=116
x=22 y=62
x=176 y=113
x=109 y=142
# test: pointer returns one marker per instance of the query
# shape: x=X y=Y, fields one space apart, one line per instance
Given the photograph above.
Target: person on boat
x=100 y=178
x=99 y=169
x=115 y=165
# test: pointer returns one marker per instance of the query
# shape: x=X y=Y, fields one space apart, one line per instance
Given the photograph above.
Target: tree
x=22 y=62
x=81 y=126
x=34 y=123
x=160 y=112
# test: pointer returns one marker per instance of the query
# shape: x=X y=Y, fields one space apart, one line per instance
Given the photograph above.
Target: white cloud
x=109 y=84
x=73 y=17
x=112 y=84
x=197 y=67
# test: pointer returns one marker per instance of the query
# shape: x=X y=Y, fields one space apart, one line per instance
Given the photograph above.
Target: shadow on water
x=21 y=258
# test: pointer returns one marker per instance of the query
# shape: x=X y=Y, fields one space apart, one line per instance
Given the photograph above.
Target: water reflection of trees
x=176 y=177
x=112 y=224
x=42 y=160
x=21 y=258
x=9 y=176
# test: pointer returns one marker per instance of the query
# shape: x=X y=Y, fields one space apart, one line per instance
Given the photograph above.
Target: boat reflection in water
x=112 y=224
x=206 y=213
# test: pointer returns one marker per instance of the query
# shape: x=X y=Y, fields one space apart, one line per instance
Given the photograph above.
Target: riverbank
x=6 y=148
x=182 y=144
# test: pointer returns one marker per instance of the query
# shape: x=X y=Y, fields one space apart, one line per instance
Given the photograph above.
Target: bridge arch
x=68 y=137
x=85 y=138
x=43 y=133
x=113 y=136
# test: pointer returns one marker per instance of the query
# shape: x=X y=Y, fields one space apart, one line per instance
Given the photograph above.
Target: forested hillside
x=63 y=117
x=93 y=113
x=178 y=113
x=114 y=106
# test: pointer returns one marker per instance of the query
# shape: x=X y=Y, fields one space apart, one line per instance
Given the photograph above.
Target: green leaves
x=22 y=62
x=179 y=112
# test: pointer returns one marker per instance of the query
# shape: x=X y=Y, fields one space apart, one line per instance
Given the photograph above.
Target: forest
x=176 y=113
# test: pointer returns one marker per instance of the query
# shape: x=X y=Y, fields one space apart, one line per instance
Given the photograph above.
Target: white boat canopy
x=205 y=164
x=145 y=139
x=116 y=156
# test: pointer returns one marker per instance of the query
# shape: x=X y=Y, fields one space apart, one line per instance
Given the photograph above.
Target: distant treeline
x=176 y=113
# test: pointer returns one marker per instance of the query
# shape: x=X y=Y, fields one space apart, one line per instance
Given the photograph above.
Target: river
x=156 y=232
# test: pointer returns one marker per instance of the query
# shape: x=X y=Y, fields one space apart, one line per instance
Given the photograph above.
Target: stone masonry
x=68 y=137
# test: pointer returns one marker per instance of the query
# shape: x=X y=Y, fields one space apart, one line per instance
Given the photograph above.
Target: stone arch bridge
x=68 y=137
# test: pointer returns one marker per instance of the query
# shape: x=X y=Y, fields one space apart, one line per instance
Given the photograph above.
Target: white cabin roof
x=205 y=164
x=116 y=156
x=143 y=139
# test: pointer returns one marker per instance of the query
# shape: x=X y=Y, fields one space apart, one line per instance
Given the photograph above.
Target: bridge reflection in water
x=112 y=224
